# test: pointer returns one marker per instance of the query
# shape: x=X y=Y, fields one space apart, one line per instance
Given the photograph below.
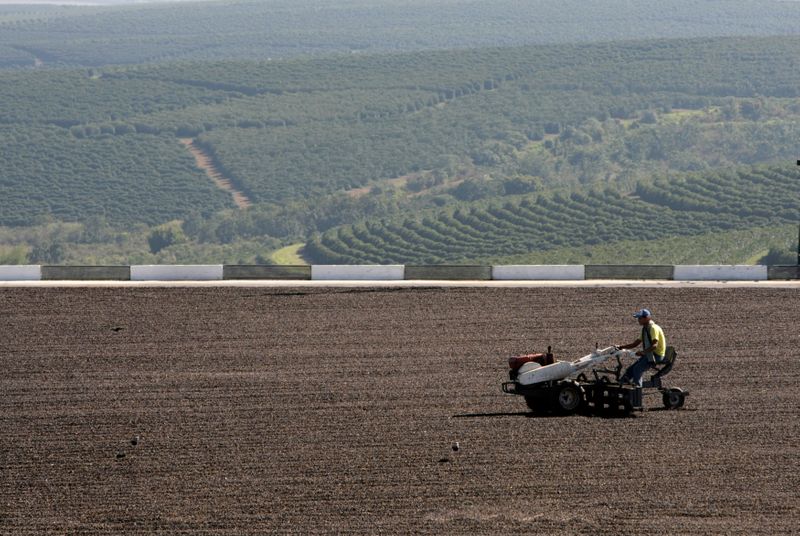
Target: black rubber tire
x=673 y=398
x=568 y=399
x=536 y=404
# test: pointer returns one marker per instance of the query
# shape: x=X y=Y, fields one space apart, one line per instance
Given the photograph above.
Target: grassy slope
x=288 y=256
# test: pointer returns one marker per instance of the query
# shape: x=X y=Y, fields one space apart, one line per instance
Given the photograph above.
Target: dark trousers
x=636 y=371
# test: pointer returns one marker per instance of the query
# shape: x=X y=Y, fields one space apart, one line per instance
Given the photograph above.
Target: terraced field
x=698 y=204
x=260 y=410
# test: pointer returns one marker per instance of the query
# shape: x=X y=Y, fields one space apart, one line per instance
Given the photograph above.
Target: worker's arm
x=631 y=345
x=649 y=349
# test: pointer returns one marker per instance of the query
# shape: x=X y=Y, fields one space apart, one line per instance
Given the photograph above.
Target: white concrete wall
x=572 y=272
x=21 y=273
x=168 y=272
x=396 y=272
x=343 y=272
x=720 y=273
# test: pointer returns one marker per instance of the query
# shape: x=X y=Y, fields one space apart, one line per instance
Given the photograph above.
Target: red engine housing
x=517 y=361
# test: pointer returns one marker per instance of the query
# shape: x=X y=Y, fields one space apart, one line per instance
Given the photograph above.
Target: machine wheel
x=569 y=398
x=673 y=398
x=535 y=404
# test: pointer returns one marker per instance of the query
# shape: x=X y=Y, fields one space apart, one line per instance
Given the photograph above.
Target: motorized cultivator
x=588 y=383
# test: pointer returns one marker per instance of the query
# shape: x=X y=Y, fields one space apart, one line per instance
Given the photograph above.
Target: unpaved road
x=206 y=163
x=331 y=410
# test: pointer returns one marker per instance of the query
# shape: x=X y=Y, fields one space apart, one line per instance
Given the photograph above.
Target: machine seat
x=665 y=366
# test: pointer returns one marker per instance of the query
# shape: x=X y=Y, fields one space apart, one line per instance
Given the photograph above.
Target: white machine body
x=564 y=369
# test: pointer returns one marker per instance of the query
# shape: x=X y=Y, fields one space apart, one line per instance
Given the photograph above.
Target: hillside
x=291 y=132
x=693 y=205
x=308 y=145
x=279 y=29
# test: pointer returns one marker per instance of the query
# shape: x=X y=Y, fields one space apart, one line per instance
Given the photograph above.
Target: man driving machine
x=654 y=347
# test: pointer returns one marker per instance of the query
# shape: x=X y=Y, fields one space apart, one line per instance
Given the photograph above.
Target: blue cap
x=644 y=313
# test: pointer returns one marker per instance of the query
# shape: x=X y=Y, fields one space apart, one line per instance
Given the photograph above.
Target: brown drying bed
x=315 y=410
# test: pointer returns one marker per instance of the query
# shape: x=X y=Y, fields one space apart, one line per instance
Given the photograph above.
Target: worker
x=654 y=348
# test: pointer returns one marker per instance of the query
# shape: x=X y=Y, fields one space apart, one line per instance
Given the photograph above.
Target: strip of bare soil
x=206 y=163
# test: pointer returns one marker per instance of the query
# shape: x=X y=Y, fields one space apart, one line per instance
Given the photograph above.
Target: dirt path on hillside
x=222 y=411
x=206 y=163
